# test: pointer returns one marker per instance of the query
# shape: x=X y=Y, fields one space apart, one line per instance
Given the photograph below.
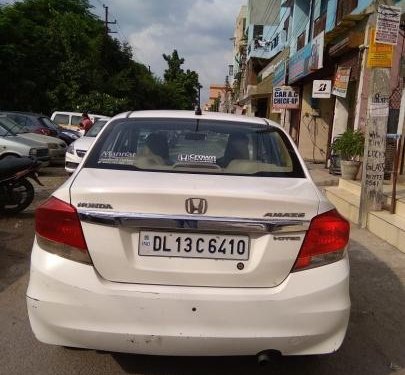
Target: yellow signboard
x=379 y=55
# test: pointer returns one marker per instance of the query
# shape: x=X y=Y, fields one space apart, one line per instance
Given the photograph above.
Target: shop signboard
x=388 y=21
x=379 y=106
x=379 y=55
x=286 y=97
x=280 y=74
x=307 y=59
x=321 y=89
x=341 y=82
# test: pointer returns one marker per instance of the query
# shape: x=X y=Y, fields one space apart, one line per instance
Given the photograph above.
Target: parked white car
x=71 y=120
x=13 y=145
x=78 y=148
x=57 y=147
x=184 y=234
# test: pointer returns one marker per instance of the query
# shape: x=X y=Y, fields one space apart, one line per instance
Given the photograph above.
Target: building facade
x=296 y=42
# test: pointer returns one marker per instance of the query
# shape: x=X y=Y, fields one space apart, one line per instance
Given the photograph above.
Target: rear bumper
x=69 y=304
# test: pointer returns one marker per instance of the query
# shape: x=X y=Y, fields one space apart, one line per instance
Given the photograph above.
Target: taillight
x=324 y=242
x=59 y=231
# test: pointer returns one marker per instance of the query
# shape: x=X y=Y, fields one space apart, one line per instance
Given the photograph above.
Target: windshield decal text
x=197 y=158
x=115 y=155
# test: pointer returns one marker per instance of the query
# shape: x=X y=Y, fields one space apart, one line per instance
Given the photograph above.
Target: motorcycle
x=16 y=191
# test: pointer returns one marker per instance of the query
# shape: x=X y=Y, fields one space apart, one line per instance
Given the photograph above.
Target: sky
x=200 y=30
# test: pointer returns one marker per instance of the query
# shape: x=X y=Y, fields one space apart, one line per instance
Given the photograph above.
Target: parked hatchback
x=184 y=234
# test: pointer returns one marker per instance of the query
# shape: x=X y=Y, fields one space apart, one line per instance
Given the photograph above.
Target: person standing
x=85 y=122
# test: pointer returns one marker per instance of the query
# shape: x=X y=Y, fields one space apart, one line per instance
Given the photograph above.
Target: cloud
x=198 y=29
x=214 y=16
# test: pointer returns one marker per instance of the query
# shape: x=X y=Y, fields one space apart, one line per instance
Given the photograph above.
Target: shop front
x=310 y=124
x=347 y=56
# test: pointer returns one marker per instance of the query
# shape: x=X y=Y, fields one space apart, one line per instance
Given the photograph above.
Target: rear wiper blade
x=196 y=165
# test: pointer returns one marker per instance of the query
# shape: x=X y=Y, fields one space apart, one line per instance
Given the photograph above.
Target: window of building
x=344 y=8
x=301 y=41
x=257 y=32
x=286 y=25
x=319 y=24
x=324 y=7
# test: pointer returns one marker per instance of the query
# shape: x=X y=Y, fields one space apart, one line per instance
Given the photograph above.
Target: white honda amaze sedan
x=185 y=234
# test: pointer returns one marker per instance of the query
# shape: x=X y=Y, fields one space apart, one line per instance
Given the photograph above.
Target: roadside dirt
x=17 y=231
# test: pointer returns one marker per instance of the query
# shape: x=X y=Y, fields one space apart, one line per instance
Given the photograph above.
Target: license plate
x=187 y=245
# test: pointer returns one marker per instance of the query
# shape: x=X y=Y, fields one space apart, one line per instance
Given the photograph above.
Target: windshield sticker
x=117 y=155
x=197 y=158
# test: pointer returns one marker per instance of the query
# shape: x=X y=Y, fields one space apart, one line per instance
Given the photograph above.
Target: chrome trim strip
x=192 y=222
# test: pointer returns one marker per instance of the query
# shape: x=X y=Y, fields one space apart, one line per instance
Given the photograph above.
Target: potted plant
x=350 y=146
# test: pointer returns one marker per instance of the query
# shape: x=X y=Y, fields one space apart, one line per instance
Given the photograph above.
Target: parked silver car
x=13 y=145
x=57 y=147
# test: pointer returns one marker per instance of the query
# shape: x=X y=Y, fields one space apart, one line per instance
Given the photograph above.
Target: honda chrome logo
x=196 y=205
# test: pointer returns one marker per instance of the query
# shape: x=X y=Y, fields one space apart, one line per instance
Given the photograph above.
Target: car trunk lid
x=122 y=210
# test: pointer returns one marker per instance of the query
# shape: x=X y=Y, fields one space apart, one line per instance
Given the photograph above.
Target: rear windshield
x=195 y=146
x=5 y=130
x=62 y=119
x=11 y=126
x=95 y=129
x=76 y=120
x=49 y=123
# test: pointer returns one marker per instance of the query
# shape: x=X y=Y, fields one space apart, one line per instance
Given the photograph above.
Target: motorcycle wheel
x=18 y=197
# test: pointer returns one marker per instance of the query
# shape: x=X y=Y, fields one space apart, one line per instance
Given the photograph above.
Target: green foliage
x=349 y=145
x=182 y=85
x=54 y=55
x=174 y=70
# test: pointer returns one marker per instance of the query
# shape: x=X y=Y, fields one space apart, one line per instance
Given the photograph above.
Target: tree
x=183 y=86
x=55 y=55
x=33 y=51
x=174 y=71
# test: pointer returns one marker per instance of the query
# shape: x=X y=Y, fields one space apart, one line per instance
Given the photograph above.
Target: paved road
x=375 y=343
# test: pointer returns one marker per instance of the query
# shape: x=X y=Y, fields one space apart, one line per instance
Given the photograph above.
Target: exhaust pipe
x=266 y=357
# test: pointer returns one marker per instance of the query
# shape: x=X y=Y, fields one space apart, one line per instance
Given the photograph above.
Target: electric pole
x=379 y=60
x=227 y=95
x=107 y=22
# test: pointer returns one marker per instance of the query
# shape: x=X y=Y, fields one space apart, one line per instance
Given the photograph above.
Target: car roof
x=219 y=116
x=29 y=114
x=69 y=113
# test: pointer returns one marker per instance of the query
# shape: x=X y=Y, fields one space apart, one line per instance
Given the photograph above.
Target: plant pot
x=349 y=169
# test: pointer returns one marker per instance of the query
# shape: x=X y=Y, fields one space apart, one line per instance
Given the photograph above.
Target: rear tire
x=17 y=197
